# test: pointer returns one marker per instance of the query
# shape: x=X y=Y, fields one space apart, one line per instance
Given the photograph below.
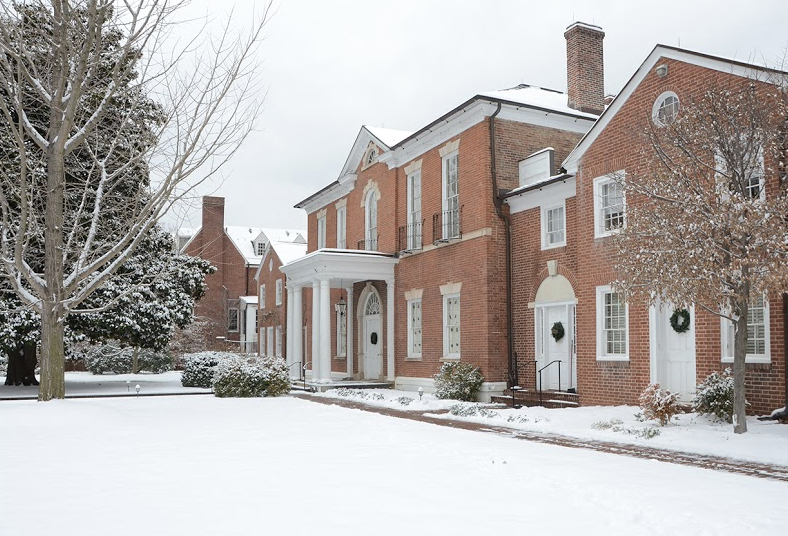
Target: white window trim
x=446 y=353
x=598 y=182
x=342 y=227
x=657 y=105
x=600 y=319
x=545 y=210
x=278 y=292
x=321 y=232
x=411 y=353
x=237 y=319
x=370 y=242
x=727 y=340
x=262 y=296
x=445 y=232
x=411 y=236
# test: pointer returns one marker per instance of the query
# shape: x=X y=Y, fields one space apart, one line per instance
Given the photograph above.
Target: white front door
x=373 y=341
x=561 y=375
x=673 y=354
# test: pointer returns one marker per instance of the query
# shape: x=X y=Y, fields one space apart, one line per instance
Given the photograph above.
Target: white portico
x=339 y=268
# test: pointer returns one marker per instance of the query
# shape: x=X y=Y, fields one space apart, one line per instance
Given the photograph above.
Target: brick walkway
x=760 y=470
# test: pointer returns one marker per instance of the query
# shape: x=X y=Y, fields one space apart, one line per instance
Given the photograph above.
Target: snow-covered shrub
x=251 y=376
x=458 y=381
x=358 y=393
x=3 y=364
x=659 y=404
x=116 y=360
x=714 y=396
x=404 y=400
x=616 y=425
x=199 y=367
x=472 y=410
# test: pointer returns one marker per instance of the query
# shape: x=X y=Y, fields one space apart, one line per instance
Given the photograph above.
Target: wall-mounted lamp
x=341 y=306
x=662 y=71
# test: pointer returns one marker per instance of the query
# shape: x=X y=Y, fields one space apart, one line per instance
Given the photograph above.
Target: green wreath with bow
x=557 y=331
x=680 y=320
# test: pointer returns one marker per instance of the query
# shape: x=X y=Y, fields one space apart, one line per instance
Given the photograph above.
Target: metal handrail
x=540 y=377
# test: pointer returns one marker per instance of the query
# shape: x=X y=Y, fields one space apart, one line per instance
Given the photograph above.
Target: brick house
x=562 y=263
x=407 y=264
x=229 y=307
x=278 y=246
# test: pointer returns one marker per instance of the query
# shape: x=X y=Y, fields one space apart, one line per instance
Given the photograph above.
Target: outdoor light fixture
x=128 y=386
x=662 y=71
x=421 y=392
x=341 y=306
x=137 y=387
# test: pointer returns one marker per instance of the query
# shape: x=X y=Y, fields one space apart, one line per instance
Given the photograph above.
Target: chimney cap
x=585 y=25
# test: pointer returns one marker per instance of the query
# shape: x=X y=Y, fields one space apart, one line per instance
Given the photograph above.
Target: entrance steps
x=321 y=387
x=530 y=397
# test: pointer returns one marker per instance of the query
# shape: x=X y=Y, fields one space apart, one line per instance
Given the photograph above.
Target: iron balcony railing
x=409 y=237
x=447 y=225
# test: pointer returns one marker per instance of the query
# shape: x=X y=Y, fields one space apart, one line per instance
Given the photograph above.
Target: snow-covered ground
x=200 y=465
x=765 y=441
x=87 y=384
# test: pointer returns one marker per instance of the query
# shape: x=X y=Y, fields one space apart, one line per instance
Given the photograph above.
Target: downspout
x=507 y=222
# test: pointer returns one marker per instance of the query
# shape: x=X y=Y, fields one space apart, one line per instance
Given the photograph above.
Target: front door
x=673 y=365
x=556 y=358
x=372 y=344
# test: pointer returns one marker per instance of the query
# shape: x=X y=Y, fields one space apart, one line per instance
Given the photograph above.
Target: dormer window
x=260 y=248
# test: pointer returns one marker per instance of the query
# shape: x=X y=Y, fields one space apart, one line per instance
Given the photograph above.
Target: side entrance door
x=549 y=349
x=372 y=344
x=673 y=353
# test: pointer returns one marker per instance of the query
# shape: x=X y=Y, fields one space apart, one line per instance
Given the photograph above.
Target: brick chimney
x=213 y=213
x=585 y=71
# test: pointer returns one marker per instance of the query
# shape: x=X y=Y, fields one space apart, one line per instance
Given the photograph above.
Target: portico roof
x=341 y=267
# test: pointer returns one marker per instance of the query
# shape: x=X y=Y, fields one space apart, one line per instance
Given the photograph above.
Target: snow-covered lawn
x=199 y=465
x=765 y=442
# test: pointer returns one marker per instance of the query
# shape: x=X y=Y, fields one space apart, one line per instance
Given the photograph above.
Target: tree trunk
x=135 y=361
x=739 y=356
x=53 y=382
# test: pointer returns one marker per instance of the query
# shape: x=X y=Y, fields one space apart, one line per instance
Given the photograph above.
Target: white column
x=315 y=330
x=350 y=322
x=325 y=330
x=288 y=337
x=390 y=329
x=297 y=331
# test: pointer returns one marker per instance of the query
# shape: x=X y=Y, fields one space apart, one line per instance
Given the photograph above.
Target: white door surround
x=672 y=354
x=549 y=350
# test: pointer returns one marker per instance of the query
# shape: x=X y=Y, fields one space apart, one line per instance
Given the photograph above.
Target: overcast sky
x=332 y=66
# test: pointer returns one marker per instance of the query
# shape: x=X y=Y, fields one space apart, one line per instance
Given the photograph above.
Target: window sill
x=554 y=246
x=613 y=358
x=413 y=358
x=450 y=359
x=750 y=360
x=340 y=358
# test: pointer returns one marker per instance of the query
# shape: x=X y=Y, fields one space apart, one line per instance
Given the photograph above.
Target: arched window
x=666 y=108
x=373 y=304
x=371 y=221
x=371 y=155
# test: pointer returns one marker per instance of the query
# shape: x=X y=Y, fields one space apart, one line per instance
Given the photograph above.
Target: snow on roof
x=537 y=97
x=284 y=235
x=243 y=238
x=388 y=136
x=288 y=252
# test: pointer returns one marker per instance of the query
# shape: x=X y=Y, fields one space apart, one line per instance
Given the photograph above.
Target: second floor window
x=278 y=292
x=321 y=232
x=262 y=296
x=451 y=197
x=371 y=221
x=342 y=227
x=414 y=210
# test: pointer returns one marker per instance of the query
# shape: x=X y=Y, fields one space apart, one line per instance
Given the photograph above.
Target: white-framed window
x=554 y=226
x=414 y=328
x=414 y=210
x=609 y=205
x=451 y=196
x=342 y=227
x=612 y=326
x=269 y=348
x=278 y=348
x=371 y=221
x=232 y=319
x=665 y=109
x=278 y=292
x=341 y=333
x=451 y=326
x=758 y=347
x=321 y=232
x=262 y=296
x=260 y=248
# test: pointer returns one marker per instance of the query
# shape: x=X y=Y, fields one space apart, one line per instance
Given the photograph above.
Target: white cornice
x=329 y=195
x=550 y=193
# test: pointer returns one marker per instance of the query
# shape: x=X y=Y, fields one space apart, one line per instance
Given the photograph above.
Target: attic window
x=260 y=248
x=666 y=108
x=371 y=155
x=537 y=167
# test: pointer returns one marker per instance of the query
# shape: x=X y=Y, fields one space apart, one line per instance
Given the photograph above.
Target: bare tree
x=78 y=77
x=706 y=215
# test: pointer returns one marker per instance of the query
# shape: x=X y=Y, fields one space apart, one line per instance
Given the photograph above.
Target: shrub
x=115 y=359
x=240 y=376
x=714 y=396
x=659 y=404
x=472 y=410
x=199 y=368
x=458 y=381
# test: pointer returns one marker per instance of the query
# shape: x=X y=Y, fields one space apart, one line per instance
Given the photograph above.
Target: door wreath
x=557 y=331
x=680 y=320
